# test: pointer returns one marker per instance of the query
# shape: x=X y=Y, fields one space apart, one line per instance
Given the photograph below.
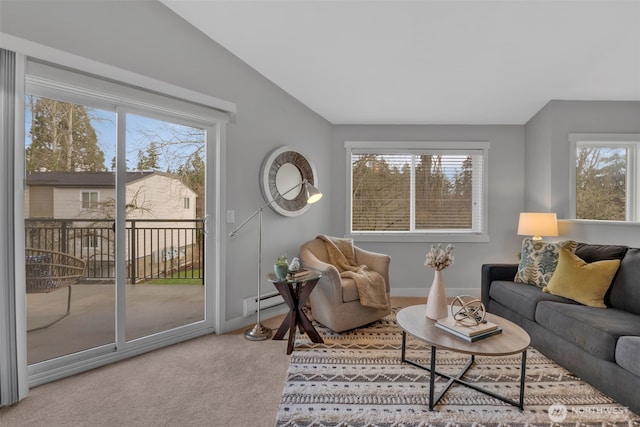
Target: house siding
x=159 y=196
x=39 y=203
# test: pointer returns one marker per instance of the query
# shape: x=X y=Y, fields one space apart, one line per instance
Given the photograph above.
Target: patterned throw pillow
x=538 y=261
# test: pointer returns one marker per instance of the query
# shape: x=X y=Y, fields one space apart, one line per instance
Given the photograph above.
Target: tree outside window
x=425 y=191
x=62 y=137
x=601 y=182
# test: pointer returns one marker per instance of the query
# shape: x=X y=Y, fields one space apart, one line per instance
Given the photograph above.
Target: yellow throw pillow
x=582 y=282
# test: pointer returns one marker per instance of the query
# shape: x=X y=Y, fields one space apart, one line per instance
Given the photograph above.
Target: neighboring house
x=73 y=212
x=69 y=195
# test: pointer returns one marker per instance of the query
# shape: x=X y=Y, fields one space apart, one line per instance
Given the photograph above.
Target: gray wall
x=547 y=160
x=409 y=276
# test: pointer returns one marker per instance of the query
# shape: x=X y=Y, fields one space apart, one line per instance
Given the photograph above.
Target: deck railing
x=155 y=248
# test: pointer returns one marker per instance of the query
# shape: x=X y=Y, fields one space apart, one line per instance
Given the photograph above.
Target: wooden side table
x=295 y=293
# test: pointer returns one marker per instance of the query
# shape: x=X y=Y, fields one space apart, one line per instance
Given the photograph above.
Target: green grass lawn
x=181 y=278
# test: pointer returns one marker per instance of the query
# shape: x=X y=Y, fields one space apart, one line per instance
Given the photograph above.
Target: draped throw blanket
x=370 y=284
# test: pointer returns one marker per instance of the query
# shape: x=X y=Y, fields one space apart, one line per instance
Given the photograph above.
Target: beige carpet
x=209 y=381
x=357 y=379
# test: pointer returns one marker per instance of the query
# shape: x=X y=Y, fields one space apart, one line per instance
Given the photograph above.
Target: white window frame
x=478 y=234
x=626 y=140
x=90 y=192
x=204 y=110
x=216 y=142
x=90 y=241
x=53 y=82
x=186 y=203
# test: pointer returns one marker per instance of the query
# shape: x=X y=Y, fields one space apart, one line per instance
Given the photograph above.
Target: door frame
x=54 y=369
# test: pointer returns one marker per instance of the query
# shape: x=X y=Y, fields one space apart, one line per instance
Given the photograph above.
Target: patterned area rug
x=356 y=379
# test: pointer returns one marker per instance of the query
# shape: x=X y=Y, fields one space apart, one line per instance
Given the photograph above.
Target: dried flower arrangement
x=440 y=258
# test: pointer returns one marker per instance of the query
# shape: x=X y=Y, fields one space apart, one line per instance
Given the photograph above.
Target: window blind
x=417 y=191
x=9 y=387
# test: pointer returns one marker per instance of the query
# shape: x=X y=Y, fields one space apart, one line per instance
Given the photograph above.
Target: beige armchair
x=334 y=301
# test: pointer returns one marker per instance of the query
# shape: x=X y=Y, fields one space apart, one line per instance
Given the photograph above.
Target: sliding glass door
x=165 y=196
x=116 y=199
x=69 y=236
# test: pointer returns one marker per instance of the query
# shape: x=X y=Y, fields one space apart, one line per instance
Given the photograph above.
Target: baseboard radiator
x=250 y=305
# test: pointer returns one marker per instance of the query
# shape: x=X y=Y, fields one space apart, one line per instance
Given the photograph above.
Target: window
x=187 y=203
x=421 y=190
x=89 y=199
x=90 y=241
x=605 y=181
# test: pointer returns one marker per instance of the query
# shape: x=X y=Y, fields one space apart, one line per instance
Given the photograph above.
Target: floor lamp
x=260 y=332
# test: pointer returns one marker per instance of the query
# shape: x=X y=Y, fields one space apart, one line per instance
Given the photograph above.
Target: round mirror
x=287 y=178
x=281 y=177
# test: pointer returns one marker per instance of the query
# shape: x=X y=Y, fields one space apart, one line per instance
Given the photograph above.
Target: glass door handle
x=205 y=225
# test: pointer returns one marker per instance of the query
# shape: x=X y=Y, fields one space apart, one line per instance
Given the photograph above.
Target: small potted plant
x=281 y=267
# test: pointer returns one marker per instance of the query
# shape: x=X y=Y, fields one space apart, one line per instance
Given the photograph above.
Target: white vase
x=437 y=301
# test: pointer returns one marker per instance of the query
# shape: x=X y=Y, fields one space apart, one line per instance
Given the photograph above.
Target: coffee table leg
x=432 y=377
x=523 y=371
x=404 y=346
x=433 y=400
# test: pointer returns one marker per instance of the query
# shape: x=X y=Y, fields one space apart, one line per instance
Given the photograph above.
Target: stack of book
x=298 y=274
x=468 y=333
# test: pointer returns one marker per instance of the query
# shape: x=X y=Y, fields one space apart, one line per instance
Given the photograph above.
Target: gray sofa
x=600 y=345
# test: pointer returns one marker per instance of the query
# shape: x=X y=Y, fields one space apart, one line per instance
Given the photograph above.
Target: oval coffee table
x=512 y=340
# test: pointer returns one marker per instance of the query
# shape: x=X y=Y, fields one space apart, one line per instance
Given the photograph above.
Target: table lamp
x=537 y=224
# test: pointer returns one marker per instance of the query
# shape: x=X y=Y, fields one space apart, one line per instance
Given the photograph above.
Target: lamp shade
x=312 y=193
x=537 y=224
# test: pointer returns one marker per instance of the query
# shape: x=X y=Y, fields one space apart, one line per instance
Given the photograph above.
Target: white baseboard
x=422 y=292
x=246 y=322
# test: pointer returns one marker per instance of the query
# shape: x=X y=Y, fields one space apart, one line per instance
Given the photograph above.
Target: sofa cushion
x=590 y=253
x=538 y=261
x=627 y=351
x=592 y=329
x=580 y=281
x=520 y=297
x=625 y=290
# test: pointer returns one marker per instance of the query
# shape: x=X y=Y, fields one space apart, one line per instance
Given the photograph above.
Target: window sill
x=419 y=238
x=598 y=222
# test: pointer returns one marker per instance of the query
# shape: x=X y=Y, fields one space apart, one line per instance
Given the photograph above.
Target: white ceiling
x=426 y=62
